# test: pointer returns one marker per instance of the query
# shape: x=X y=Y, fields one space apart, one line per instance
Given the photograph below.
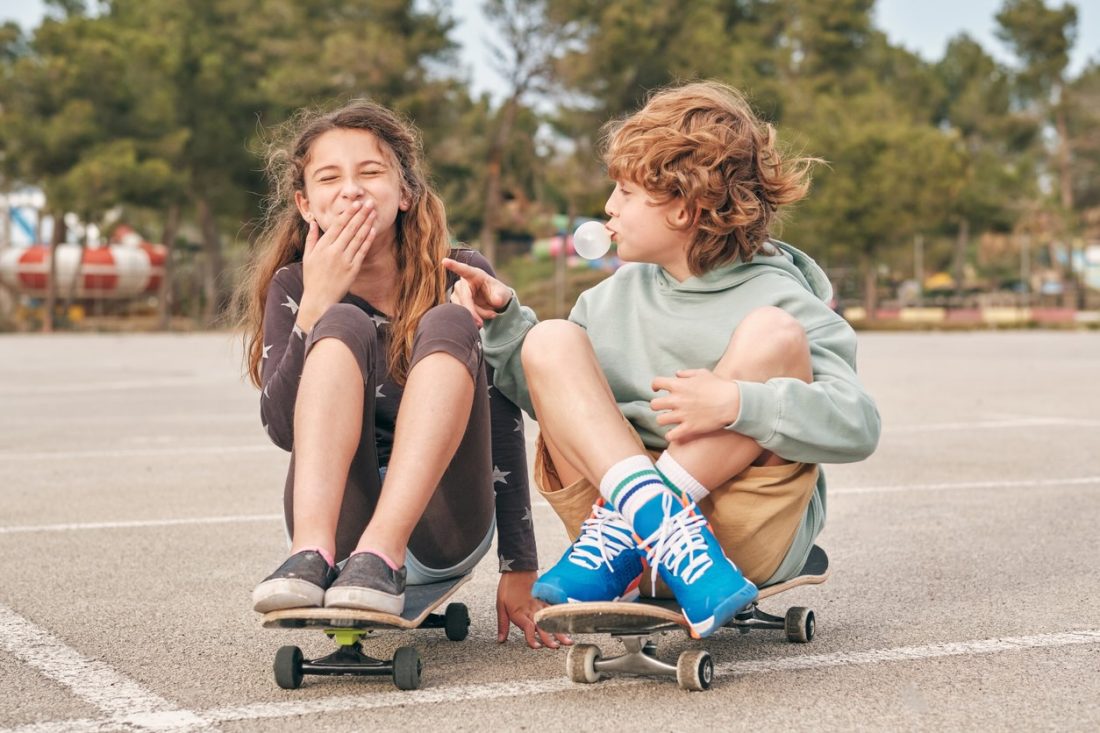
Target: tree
x=996 y=144
x=1083 y=129
x=1042 y=38
x=887 y=178
x=525 y=59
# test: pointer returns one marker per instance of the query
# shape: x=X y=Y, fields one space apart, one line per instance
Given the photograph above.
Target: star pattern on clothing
x=527 y=515
x=519 y=425
x=506 y=564
x=499 y=477
x=379 y=321
x=266 y=349
x=291 y=305
x=299 y=332
x=378 y=392
x=265 y=392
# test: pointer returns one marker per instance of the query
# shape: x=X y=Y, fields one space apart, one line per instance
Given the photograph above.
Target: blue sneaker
x=680 y=545
x=602 y=565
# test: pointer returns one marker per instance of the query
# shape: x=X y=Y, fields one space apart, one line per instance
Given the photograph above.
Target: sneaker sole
x=283 y=593
x=555 y=596
x=364 y=599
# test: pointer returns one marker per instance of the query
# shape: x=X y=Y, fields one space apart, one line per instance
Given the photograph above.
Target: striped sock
x=677 y=477
x=630 y=483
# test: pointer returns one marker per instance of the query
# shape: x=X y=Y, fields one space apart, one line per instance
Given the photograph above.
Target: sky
x=923 y=26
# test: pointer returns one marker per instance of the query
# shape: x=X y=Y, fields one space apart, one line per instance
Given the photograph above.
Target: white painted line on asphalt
x=449 y=694
x=498 y=690
x=913 y=653
x=23 y=389
x=1027 y=422
x=11 y=422
x=1080 y=481
x=138 y=452
x=141 y=523
x=123 y=699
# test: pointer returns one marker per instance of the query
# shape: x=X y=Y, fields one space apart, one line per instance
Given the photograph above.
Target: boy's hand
x=698 y=402
x=515 y=605
x=478 y=292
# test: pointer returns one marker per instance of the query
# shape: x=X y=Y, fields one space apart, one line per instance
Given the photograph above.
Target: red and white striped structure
x=115 y=272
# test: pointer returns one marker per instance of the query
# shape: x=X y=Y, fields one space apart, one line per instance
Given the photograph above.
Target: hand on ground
x=515 y=605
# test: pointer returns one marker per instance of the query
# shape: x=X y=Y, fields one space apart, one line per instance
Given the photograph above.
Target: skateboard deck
x=420 y=601
x=635 y=621
x=347 y=626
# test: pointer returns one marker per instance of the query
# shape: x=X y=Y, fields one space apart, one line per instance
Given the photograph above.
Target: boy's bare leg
x=328 y=416
x=768 y=343
x=578 y=417
x=435 y=410
x=588 y=436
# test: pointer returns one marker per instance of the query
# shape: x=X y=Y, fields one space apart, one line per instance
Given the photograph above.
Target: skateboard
x=635 y=624
x=348 y=626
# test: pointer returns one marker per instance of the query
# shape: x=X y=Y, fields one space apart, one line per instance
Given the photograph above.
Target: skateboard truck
x=694 y=669
x=347 y=628
x=798 y=623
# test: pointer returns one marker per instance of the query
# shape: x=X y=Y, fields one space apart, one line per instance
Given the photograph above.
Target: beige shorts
x=755 y=515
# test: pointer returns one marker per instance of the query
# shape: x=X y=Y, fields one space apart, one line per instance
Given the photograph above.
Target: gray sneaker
x=367 y=583
x=300 y=582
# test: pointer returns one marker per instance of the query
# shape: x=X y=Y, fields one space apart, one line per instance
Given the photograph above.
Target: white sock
x=630 y=483
x=676 y=475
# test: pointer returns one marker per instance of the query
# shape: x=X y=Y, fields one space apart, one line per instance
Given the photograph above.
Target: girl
x=401 y=461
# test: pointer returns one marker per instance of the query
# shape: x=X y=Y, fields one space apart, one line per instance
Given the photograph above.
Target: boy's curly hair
x=703 y=144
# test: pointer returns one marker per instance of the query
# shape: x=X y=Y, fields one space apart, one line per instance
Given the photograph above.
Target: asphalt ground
x=140 y=501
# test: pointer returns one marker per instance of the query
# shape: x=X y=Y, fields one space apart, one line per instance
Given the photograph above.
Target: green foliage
x=1042 y=37
x=1084 y=132
x=147 y=104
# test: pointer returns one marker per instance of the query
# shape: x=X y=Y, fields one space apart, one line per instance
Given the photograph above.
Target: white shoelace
x=603 y=537
x=678 y=544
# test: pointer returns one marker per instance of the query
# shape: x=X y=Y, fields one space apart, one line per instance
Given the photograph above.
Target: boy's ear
x=678 y=216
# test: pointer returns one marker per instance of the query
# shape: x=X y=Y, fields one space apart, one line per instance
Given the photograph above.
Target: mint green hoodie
x=643 y=324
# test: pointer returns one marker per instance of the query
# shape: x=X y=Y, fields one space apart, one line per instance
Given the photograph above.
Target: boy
x=718 y=332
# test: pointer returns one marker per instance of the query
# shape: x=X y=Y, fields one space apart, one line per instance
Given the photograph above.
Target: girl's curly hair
x=422 y=236
x=701 y=143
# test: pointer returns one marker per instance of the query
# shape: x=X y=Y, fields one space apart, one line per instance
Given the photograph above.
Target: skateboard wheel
x=580 y=663
x=695 y=670
x=406 y=668
x=288 y=667
x=799 y=625
x=456 y=621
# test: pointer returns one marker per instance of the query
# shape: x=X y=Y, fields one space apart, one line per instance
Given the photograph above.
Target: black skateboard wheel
x=456 y=621
x=406 y=668
x=288 y=667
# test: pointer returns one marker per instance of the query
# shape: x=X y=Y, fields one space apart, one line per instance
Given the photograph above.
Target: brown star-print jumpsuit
x=486 y=479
